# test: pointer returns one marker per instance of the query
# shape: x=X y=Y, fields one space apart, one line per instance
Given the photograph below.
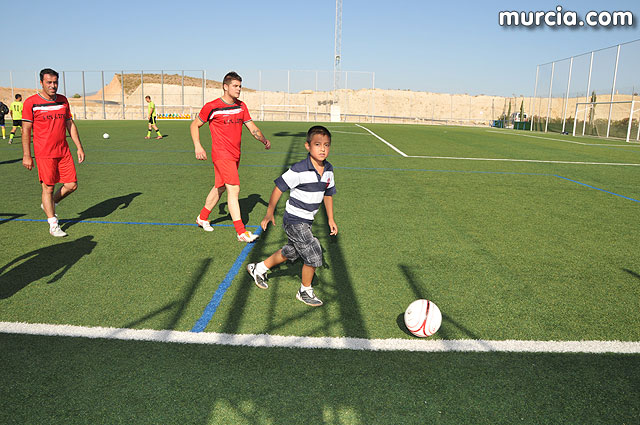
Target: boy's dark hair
x=18 y=95
x=230 y=77
x=48 y=71
x=147 y=97
x=317 y=129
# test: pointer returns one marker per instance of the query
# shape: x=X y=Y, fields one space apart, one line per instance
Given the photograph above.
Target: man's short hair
x=230 y=77
x=318 y=129
x=18 y=95
x=47 y=71
x=148 y=97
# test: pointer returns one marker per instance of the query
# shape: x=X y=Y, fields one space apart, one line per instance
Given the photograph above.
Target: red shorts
x=226 y=172
x=56 y=170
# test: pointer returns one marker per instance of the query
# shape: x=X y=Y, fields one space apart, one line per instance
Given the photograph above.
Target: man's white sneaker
x=204 y=224
x=247 y=237
x=56 y=231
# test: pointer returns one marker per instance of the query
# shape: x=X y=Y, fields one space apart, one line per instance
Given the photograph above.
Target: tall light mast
x=337 y=47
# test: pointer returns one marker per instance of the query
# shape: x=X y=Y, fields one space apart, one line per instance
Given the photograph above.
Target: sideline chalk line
x=497 y=159
x=275 y=341
x=635 y=145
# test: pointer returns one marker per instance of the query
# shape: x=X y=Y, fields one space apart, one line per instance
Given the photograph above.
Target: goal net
x=617 y=120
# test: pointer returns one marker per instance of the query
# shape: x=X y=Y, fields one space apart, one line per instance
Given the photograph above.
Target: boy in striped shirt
x=311 y=183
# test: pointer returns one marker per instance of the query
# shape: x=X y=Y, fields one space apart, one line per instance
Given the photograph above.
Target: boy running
x=225 y=116
x=152 y=119
x=4 y=109
x=311 y=183
x=49 y=115
x=16 y=115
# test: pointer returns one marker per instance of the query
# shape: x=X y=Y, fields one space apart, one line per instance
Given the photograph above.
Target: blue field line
x=211 y=308
x=597 y=188
x=62 y=221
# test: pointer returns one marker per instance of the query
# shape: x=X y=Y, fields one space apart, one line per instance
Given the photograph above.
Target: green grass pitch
x=542 y=249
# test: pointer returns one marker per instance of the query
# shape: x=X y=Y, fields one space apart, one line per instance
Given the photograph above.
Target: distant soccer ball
x=105 y=135
x=423 y=318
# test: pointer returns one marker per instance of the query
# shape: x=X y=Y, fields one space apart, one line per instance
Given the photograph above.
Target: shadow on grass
x=10 y=216
x=176 y=307
x=246 y=207
x=43 y=262
x=632 y=273
x=420 y=293
x=10 y=161
x=102 y=209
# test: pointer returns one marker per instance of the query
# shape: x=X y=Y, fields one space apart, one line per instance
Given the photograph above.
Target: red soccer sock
x=239 y=225
x=204 y=213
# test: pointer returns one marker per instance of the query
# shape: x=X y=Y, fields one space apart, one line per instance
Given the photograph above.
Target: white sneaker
x=247 y=237
x=56 y=231
x=204 y=224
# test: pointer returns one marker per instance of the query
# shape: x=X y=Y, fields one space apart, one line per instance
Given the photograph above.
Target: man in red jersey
x=49 y=116
x=225 y=116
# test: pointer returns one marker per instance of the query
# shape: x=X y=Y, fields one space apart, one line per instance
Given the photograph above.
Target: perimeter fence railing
x=271 y=95
x=593 y=92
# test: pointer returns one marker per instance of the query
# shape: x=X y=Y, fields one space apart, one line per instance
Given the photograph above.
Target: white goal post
x=608 y=119
x=284 y=109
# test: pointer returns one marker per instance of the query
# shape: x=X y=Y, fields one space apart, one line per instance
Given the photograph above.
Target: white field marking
x=564 y=141
x=383 y=141
x=496 y=159
x=524 y=160
x=349 y=132
x=272 y=341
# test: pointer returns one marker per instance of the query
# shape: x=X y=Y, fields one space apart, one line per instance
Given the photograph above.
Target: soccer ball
x=105 y=135
x=423 y=318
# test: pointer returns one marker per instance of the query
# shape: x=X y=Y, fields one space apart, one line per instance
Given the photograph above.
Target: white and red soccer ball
x=423 y=318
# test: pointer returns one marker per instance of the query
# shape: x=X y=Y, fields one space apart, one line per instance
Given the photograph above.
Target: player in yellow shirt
x=152 y=119
x=16 y=115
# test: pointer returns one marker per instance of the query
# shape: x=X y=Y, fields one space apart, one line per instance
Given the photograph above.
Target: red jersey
x=49 y=118
x=225 y=123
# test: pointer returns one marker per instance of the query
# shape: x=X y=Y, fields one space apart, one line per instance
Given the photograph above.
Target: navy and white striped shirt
x=308 y=190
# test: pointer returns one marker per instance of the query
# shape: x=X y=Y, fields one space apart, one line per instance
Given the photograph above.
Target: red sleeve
x=204 y=112
x=245 y=113
x=27 y=110
x=67 y=112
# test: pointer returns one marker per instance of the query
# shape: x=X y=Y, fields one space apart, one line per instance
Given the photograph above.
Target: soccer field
x=526 y=242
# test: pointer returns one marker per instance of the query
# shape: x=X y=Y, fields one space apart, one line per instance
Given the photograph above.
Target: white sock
x=305 y=288
x=53 y=221
x=261 y=268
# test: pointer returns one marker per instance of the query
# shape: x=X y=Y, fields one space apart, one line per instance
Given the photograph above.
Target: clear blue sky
x=438 y=46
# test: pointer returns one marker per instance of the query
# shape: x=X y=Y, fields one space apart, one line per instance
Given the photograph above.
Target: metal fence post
x=13 y=96
x=64 y=84
x=584 y=122
x=182 y=98
x=84 y=97
x=613 y=89
x=546 y=125
x=533 y=100
x=122 y=87
x=566 y=101
x=104 y=108
x=142 y=92
x=162 y=89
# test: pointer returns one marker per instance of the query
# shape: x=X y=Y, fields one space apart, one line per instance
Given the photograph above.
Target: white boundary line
x=500 y=159
x=383 y=141
x=272 y=341
x=560 y=140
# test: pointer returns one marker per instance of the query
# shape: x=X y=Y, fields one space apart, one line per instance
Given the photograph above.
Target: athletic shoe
x=247 y=237
x=259 y=279
x=159 y=137
x=309 y=298
x=56 y=231
x=147 y=137
x=204 y=224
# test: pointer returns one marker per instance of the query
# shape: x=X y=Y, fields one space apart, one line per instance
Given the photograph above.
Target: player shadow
x=101 y=209
x=176 y=307
x=294 y=135
x=631 y=272
x=10 y=217
x=246 y=207
x=420 y=293
x=54 y=261
x=11 y=161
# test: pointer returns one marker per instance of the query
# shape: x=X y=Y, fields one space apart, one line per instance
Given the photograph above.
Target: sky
x=436 y=46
